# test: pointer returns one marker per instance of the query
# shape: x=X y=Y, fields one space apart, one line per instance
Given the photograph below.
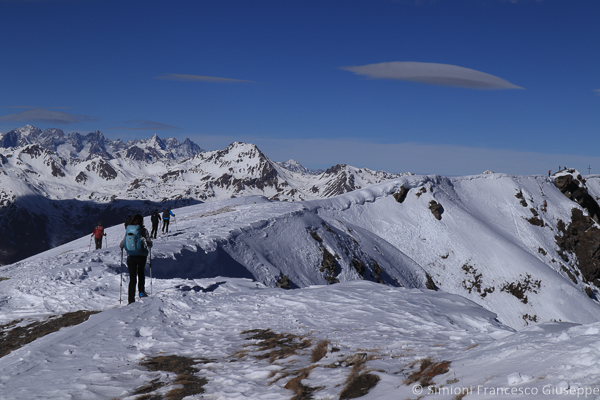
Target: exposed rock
x=283 y=282
x=56 y=170
x=135 y=153
x=400 y=195
x=81 y=178
x=436 y=209
x=582 y=238
x=105 y=171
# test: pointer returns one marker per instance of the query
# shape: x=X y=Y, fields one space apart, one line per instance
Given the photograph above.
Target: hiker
x=166 y=217
x=155 y=218
x=136 y=242
x=98 y=234
x=127 y=221
x=549 y=172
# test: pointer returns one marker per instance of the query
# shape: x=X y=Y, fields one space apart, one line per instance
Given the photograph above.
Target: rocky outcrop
x=400 y=195
x=582 y=239
x=570 y=183
x=436 y=209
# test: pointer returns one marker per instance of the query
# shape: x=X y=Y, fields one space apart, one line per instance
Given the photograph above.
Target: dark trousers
x=154 y=230
x=165 y=227
x=137 y=266
x=98 y=243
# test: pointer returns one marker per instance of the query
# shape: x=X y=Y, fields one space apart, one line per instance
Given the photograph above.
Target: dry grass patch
x=428 y=369
x=188 y=384
x=319 y=351
x=13 y=337
x=301 y=392
x=276 y=345
x=358 y=382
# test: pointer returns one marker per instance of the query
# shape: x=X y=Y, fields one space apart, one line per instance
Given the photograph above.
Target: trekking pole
x=105 y=241
x=90 y=245
x=121 y=287
x=176 y=227
x=150 y=250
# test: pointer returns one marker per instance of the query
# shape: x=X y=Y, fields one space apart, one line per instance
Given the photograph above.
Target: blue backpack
x=134 y=243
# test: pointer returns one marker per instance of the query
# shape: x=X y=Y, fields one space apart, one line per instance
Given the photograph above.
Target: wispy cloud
x=47 y=108
x=46 y=116
x=200 y=78
x=144 y=125
x=433 y=74
x=597 y=91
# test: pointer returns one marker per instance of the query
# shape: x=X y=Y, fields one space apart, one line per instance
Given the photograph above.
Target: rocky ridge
x=51 y=180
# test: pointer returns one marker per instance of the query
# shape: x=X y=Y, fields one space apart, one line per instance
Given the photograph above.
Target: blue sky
x=450 y=87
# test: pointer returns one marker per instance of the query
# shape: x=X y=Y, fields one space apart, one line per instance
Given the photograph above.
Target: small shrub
x=520 y=288
x=428 y=369
x=529 y=318
x=319 y=351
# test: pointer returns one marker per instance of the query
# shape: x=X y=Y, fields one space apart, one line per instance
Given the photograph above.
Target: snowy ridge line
x=45 y=176
x=490 y=319
x=483 y=246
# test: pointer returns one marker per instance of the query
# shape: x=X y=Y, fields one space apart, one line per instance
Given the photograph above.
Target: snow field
x=214 y=277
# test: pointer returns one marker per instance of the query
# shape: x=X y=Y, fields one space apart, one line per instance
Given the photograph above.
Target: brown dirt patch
x=188 y=384
x=13 y=337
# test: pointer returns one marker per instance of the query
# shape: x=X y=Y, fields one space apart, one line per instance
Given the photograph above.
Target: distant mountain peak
x=94 y=144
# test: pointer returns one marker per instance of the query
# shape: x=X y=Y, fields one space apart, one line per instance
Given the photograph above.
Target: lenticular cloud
x=432 y=73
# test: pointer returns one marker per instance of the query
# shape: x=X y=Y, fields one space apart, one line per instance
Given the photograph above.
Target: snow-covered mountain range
x=421 y=287
x=56 y=187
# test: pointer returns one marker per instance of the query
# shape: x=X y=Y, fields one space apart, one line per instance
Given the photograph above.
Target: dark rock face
x=135 y=153
x=400 y=195
x=582 y=238
x=81 y=178
x=436 y=209
x=573 y=187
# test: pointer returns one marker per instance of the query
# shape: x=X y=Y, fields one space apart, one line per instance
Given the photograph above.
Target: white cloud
x=46 y=116
x=200 y=78
x=432 y=73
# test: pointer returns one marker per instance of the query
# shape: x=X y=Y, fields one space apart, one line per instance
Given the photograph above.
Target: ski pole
x=176 y=227
x=121 y=287
x=90 y=245
x=105 y=241
x=150 y=250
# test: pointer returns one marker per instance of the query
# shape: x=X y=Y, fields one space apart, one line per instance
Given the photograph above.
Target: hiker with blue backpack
x=137 y=243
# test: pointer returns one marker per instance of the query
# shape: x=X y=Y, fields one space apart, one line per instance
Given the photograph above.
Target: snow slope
x=393 y=328
x=484 y=247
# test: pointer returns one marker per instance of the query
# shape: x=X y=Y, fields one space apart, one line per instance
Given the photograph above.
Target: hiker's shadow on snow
x=197 y=288
x=198 y=264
